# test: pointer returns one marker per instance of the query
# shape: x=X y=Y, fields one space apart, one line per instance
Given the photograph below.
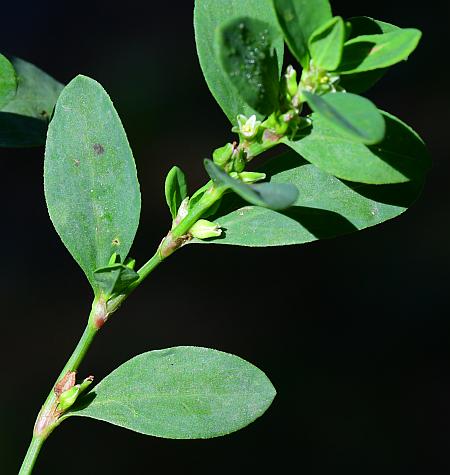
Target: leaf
x=298 y=20
x=326 y=44
x=115 y=278
x=8 y=81
x=363 y=81
x=24 y=120
x=400 y=157
x=246 y=48
x=369 y=52
x=90 y=178
x=208 y=16
x=353 y=116
x=175 y=189
x=326 y=207
x=267 y=195
x=180 y=393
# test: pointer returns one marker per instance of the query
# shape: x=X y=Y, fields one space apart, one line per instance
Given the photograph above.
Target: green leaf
x=363 y=81
x=208 y=16
x=298 y=20
x=176 y=189
x=115 y=278
x=246 y=48
x=400 y=157
x=369 y=52
x=8 y=81
x=326 y=207
x=267 y=195
x=90 y=178
x=326 y=44
x=180 y=393
x=353 y=116
x=24 y=120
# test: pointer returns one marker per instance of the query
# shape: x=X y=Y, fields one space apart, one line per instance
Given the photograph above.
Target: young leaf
x=8 y=81
x=400 y=157
x=326 y=207
x=353 y=116
x=267 y=195
x=90 y=178
x=208 y=16
x=115 y=278
x=369 y=52
x=24 y=120
x=246 y=48
x=298 y=20
x=180 y=393
x=176 y=189
x=326 y=44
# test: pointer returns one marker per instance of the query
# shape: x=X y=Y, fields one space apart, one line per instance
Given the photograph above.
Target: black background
x=351 y=331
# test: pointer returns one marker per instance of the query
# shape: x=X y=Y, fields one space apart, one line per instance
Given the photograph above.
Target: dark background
x=353 y=331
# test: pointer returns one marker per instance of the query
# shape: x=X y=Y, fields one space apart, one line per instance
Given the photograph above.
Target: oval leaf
x=24 y=120
x=326 y=44
x=353 y=116
x=326 y=207
x=267 y=195
x=400 y=157
x=90 y=180
x=298 y=20
x=180 y=393
x=246 y=48
x=8 y=81
x=208 y=16
x=363 y=81
x=369 y=52
x=175 y=189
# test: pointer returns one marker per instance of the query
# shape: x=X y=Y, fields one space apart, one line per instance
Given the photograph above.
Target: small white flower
x=248 y=127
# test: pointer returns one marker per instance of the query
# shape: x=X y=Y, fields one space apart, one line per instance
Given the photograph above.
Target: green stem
x=48 y=418
x=31 y=455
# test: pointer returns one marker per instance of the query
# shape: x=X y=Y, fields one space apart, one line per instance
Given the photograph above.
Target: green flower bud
x=239 y=161
x=248 y=127
x=204 y=229
x=86 y=383
x=291 y=81
x=68 y=398
x=251 y=177
x=222 y=155
x=130 y=263
x=112 y=259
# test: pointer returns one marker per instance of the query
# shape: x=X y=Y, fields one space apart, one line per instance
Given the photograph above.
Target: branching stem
x=49 y=416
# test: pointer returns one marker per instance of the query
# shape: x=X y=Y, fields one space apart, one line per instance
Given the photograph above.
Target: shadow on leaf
x=321 y=223
x=84 y=401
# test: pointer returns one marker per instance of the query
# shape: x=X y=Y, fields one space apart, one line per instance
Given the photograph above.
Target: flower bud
x=130 y=263
x=248 y=127
x=86 y=383
x=222 y=155
x=239 y=161
x=68 y=398
x=251 y=177
x=204 y=229
x=291 y=81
